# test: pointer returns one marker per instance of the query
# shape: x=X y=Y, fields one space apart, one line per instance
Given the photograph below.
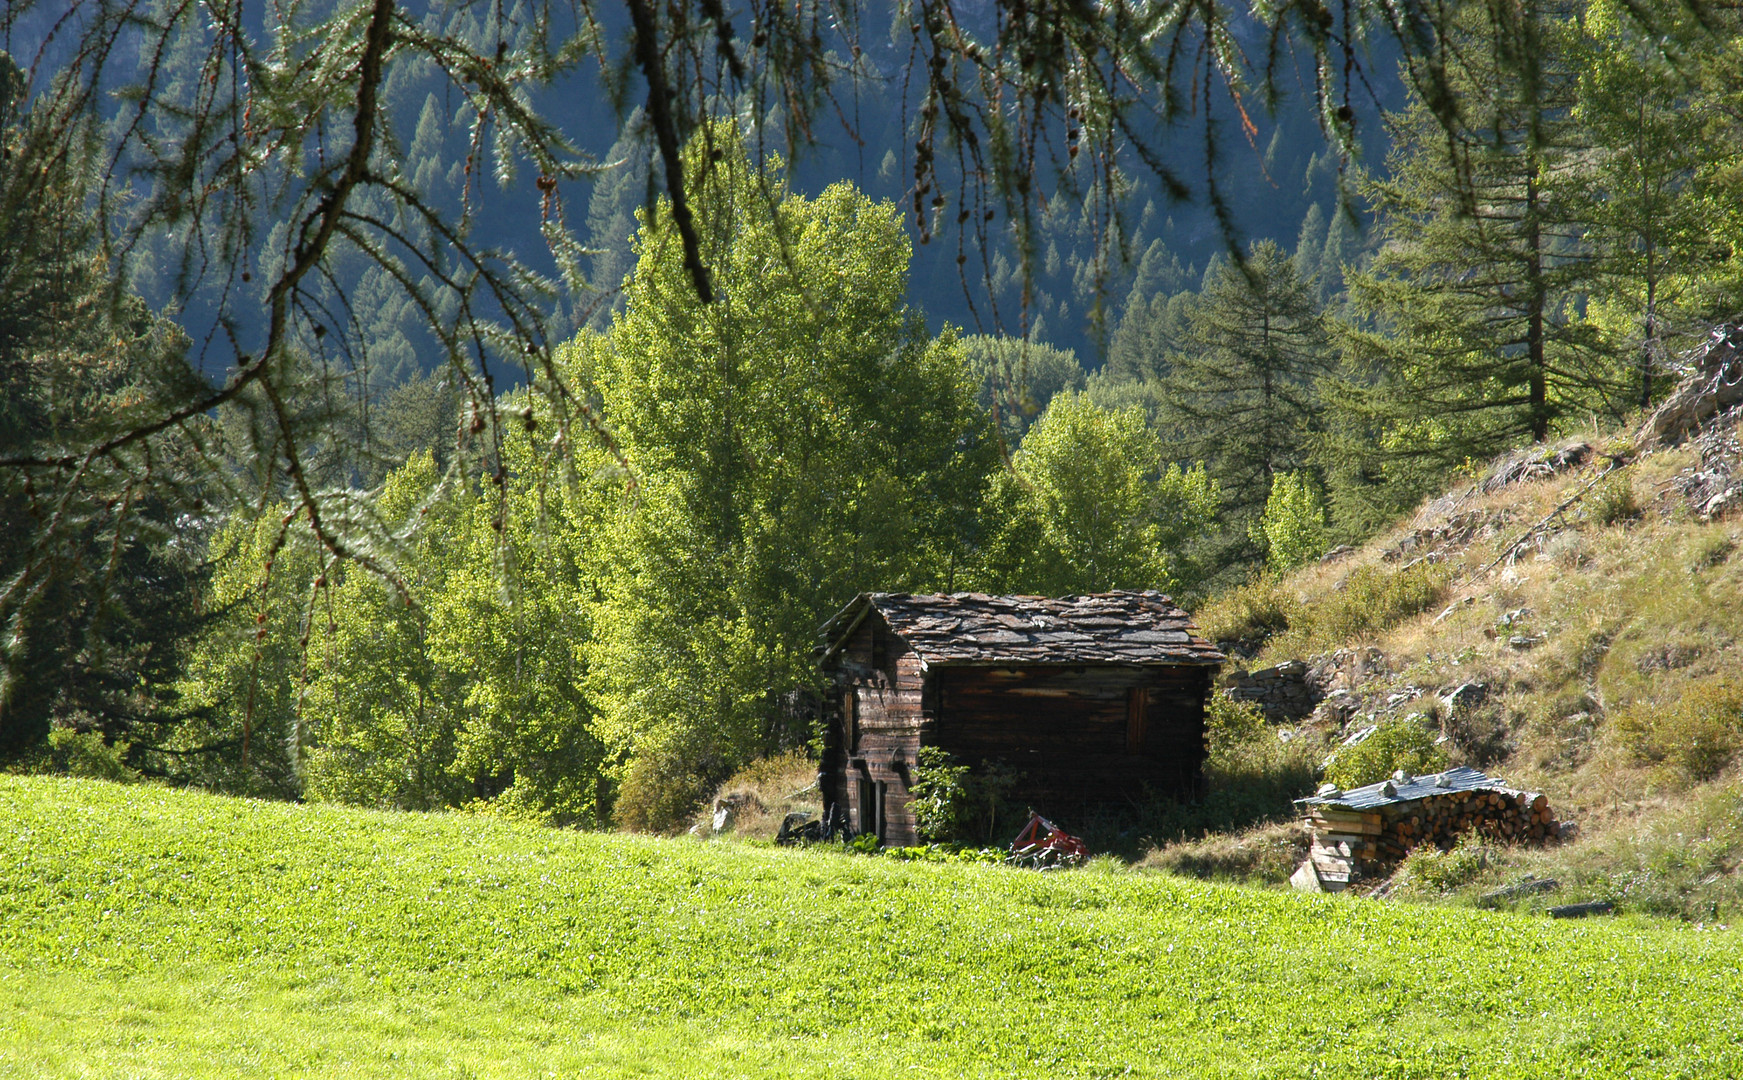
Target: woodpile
x=1365 y=832
x=1503 y=816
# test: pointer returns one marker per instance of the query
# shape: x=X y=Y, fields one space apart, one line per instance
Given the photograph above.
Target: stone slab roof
x=975 y=628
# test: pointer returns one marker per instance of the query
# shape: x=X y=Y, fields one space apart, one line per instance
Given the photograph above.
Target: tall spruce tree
x=1467 y=334
x=1241 y=393
x=1641 y=194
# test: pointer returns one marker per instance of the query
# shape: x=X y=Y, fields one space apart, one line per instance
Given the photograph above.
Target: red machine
x=1045 y=846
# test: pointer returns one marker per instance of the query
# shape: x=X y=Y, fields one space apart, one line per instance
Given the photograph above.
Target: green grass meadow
x=147 y=932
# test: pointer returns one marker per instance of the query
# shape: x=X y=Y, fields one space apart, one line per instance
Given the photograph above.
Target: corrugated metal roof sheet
x=975 y=628
x=1409 y=789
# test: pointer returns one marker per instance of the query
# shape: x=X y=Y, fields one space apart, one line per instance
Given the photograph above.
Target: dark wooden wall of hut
x=1080 y=735
x=877 y=729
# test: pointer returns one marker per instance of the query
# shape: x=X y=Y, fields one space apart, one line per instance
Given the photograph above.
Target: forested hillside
x=447 y=432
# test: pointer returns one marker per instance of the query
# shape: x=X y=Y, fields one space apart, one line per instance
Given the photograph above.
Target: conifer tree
x=1640 y=192
x=1467 y=336
x=1240 y=395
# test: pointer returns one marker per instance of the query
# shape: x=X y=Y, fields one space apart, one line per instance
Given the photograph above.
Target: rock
x=1522 y=642
x=1567 y=830
x=797 y=828
x=1523 y=888
x=721 y=817
x=1723 y=504
x=1452 y=607
x=1581 y=911
x=1466 y=697
x=1337 y=554
x=1328 y=790
x=1360 y=736
x=1536 y=463
x=1714 y=384
x=1517 y=615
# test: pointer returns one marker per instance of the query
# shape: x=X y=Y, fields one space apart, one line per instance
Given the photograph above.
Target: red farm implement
x=1045 y=846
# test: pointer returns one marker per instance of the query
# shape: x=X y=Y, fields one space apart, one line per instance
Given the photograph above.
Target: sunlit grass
x=145 y=932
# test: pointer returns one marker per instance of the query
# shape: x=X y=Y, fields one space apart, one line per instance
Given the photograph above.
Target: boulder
x=1714 y=384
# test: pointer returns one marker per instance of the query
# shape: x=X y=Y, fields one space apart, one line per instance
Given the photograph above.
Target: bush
x=1612 y=500
x=85 y=754
x=1428 y=869
x=954 y=804
x=1698 y=737
x=1405 y=744
x=1248 y=613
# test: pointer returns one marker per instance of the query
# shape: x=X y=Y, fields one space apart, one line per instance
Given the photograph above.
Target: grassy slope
x=1603 y=602
x=146 y=932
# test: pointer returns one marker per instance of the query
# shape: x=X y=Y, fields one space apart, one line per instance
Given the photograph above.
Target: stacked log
x=1507 y=817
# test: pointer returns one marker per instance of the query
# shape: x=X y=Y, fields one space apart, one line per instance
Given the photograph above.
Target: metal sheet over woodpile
x=975 y=628
x=1364 y=831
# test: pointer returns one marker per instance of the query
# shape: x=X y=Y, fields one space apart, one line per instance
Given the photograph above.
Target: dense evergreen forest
x=434 y=558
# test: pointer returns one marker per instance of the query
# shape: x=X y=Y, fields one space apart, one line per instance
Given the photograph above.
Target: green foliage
x=1401 y=743
x=1429 y=870
x=1696 y=739
x=505 y=941
x=1293 y=524
x=794 y=443
x=85 y=754
x=947 y=853
x=1252 y=774
x=1089 y=507
x=954 y=804
x=1230 y=726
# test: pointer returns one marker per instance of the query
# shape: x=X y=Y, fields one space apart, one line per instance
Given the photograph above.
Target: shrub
x=1612 y=500
x=1231 y=726
x=85 y=754
x=1248 y=613
x=1405 y=744
x=1428 y=869
x=1293 y=524
x=1697 y=737
x=954 y=804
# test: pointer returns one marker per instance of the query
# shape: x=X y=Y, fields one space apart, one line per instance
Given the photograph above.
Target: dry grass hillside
x=1569 y=619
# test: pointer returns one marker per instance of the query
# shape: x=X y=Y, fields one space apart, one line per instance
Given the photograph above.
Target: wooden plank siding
x=1080 y=734
x=1070 y=730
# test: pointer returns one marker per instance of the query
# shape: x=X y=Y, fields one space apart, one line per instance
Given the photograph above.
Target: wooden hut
x=1092 y=699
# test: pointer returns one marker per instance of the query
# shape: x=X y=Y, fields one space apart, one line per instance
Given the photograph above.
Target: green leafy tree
x=795 y=441
x=1293 y=525
x=1089 y=506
